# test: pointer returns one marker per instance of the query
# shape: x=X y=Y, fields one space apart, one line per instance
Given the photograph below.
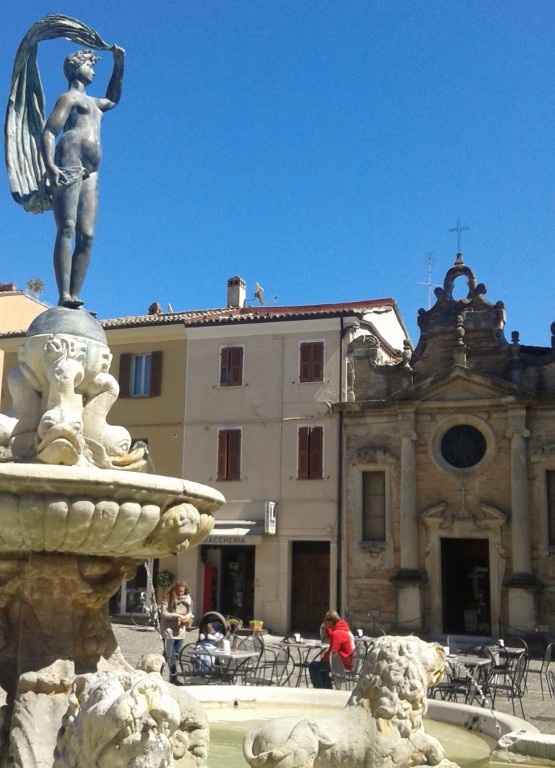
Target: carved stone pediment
x=373 y=454
x=458 y=384
x=485 y=517
x=545 y=453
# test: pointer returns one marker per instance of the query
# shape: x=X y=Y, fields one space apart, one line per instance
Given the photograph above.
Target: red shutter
x=124 y=374
x=156 y=374
x=303 y=453
x=316 y=444
x=236 y=365
x=234 y=454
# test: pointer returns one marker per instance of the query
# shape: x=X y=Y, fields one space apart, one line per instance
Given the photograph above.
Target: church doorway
x=466 y=586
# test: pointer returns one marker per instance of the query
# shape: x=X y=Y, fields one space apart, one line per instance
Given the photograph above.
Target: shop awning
x=235 y=533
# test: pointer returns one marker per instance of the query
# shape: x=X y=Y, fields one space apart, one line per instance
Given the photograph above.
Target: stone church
x=450 y=475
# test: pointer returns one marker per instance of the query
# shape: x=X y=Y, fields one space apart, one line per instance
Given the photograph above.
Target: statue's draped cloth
x=25 y=116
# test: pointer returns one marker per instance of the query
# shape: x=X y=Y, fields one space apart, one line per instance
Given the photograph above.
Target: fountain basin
x=222 y=697
x=107 y=513
x=223 y=704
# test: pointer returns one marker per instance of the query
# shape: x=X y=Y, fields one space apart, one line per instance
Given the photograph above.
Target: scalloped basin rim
x=89 y=481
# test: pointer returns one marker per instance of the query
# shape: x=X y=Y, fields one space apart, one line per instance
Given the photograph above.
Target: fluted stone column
x=521 y=583
x=409 y=578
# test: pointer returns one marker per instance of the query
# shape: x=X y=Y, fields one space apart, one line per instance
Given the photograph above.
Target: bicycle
x=146 y=613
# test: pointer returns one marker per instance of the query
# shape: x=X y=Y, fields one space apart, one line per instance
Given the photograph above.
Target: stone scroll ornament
x=25 y=117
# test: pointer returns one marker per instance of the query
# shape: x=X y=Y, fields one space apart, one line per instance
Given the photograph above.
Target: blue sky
x=321 y=148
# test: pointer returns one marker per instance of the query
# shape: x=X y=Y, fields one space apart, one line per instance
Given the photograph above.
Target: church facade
x=449 y=502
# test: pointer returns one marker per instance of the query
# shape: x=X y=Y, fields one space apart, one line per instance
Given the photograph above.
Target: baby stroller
x=219 y=624
x=213 y=627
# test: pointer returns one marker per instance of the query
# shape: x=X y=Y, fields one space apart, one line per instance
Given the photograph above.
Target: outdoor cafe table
x=477 y=666
x=231 y=663
x=302 y=653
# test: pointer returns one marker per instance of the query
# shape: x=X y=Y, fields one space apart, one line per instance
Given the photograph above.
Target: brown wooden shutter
x=222 y=454
x=156 y=374
x=316 y=441
x=236 y=365
x=305 y=363
x=124 y=374
x=234 y=454
x=303 y=453
x=224 y=365
x=317 y=361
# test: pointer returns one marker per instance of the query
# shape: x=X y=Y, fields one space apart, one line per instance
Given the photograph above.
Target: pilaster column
x=408 y=580
x=521 y=584
x=409 y=524
x=521 y=543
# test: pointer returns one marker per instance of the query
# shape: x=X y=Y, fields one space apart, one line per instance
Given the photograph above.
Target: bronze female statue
x=72 y=168
x=63 y=177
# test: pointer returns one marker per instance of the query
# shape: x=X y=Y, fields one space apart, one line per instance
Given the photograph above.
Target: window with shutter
x=373 y=506
x=140 y=375
x=229 y=454
x=231 y=366
x=311 y=361
x=310 y=453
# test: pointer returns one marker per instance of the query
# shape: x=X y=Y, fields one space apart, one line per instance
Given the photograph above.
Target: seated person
x=209 y=637
x=341 y=641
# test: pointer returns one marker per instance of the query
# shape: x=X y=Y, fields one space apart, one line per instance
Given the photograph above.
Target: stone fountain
x=78 y=512
x=77 y=516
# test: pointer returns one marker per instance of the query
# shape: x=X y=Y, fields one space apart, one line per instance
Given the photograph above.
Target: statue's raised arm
x=62 y=176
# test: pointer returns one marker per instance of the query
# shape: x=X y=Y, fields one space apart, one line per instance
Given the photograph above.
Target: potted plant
x=164 y=580
x=234 y=625
x=256 y=624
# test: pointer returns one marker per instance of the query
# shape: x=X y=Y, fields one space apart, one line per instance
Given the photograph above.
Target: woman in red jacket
x=341 y=641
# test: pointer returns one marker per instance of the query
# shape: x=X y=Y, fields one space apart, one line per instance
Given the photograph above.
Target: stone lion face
x=118 y=720
x=398 y=670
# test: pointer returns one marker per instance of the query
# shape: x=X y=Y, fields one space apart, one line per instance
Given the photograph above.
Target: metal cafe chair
x=544 y=668
x=511 y=682
x=240 y=671
x=274 y=667
x=458 y=684
x=195 y=667
x=302 y=654
x=343 y=679
x=550 y=675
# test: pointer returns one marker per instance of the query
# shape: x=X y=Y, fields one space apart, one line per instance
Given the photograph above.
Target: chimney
x=236 y=292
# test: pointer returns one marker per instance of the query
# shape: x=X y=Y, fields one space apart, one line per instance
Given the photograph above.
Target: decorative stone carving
x=62 y=392
x=381 y=725
x=373 y=454
x=101 y=512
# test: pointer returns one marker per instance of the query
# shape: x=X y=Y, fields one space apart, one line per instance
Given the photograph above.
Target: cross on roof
x=458 y=229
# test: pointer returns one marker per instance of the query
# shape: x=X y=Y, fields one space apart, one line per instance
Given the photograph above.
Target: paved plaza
x=135 y=642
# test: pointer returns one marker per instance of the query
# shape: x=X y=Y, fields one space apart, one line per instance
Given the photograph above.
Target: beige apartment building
x=17 y=310
x=240 y=398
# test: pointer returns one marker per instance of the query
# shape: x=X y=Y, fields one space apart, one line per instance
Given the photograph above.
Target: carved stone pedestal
x=54 y=607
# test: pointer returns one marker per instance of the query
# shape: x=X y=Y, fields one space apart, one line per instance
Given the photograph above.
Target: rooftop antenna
x=429 y=283
x=458 y=229
x=258 y=294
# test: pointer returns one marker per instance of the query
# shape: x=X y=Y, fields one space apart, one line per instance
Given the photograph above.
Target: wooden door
x=310 y=585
